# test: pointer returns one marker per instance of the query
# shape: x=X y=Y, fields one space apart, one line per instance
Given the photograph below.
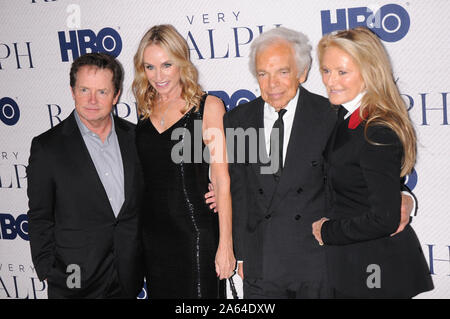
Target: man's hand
x=406 y=209
x=210 y=198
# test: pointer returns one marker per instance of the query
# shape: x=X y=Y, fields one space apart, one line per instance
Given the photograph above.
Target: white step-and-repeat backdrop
x=40 y=38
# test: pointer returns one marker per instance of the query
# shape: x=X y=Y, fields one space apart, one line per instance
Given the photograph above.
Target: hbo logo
x=238 y=97
x=107 y=40
x=411 y=180
x=9 y=111
x=390 y=22
x=10 y=227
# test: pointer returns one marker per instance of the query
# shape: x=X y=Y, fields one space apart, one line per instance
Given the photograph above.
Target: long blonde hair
x=168 y=38
x=382 y=103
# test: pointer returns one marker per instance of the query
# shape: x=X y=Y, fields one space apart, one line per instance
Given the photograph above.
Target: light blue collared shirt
x=108 y=162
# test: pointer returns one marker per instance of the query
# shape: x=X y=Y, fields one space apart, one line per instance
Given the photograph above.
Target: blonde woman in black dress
x=188 y=249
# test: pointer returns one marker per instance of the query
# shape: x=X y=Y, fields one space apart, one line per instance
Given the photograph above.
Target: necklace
x=162 y=121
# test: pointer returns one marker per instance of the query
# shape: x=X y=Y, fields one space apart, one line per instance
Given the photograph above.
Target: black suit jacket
x=272 y=219
x=71 y=220
x=364 y=184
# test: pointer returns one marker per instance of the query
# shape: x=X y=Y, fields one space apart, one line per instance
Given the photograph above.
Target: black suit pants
x=266 y=289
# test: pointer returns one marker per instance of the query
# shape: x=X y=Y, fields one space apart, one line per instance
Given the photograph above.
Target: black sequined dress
x=180 y=233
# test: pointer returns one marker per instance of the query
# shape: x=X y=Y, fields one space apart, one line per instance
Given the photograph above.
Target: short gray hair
x=298 y=40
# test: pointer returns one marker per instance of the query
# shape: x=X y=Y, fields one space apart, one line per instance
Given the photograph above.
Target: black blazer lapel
x=266 y=180
x=306 y=116
x=79 y=155
x=339 y=136
x=127 y=150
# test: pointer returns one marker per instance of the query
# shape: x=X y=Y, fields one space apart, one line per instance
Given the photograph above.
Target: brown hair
x=101 y=61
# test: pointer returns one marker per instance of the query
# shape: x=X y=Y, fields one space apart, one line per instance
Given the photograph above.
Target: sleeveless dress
x=180 y=232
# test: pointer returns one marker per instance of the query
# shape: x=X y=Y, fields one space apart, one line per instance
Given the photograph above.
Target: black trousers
x=114 y=289
x=266 y=289
x=111 y=290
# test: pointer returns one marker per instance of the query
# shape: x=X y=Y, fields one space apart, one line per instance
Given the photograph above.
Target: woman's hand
x=225 y=261
x=316 y=229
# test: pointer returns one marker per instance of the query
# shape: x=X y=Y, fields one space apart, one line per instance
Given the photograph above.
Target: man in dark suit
x=275 y=145
x=273 y=212
x=84 y=189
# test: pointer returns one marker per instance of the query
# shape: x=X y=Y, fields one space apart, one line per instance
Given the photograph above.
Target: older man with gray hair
x=273 y=212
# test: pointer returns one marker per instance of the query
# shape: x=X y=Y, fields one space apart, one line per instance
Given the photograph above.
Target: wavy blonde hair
x=168 y=38
x=382 y=103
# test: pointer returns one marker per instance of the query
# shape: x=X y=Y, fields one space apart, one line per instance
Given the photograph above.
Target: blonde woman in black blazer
x=372 y=147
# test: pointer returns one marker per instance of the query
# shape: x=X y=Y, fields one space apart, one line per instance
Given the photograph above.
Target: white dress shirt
x=270 y=116
x=352 y=105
